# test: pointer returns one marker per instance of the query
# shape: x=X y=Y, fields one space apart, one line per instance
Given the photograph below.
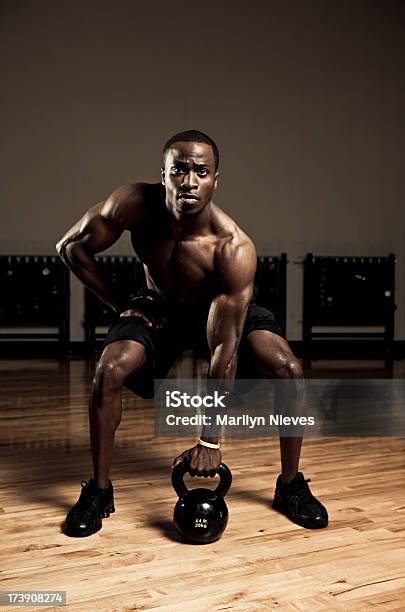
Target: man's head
x=189 y=171
x=192 y=136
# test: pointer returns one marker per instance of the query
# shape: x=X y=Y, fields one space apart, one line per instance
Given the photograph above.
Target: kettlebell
x=200 y=515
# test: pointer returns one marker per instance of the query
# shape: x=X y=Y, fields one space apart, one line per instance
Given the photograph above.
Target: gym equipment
x=34 y=299
x=201 y=515
x=270 y=286
x=352 y=293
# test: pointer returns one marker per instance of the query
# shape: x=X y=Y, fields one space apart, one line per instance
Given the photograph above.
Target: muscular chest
x=177 y=267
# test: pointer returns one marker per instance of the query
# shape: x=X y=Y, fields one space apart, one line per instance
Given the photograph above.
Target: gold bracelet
x=208 y=444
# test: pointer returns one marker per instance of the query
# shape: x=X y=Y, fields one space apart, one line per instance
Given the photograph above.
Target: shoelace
x=90 y=497
x=298 y=490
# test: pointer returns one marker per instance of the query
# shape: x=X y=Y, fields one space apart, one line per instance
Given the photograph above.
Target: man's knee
x=293 y=368
x=274 y=357
x=109 y=376
x=289 y=387
x=115 y=367
x=287 y=366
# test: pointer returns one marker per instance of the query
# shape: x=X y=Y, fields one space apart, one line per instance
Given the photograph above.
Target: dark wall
x=305 y=100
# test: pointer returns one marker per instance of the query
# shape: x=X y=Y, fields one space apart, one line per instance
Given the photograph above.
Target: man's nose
x=190 y=180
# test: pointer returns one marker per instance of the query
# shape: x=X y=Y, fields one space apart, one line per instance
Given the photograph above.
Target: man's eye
x=202 y=173
x=176 y=170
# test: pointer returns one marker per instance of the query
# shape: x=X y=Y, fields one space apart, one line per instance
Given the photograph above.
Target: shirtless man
x=199 y=268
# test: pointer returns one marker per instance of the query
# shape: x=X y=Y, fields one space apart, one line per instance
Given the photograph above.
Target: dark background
x=304 y=98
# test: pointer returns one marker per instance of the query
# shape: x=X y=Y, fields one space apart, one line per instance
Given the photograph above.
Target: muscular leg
x=274 y=359
x=119 y=361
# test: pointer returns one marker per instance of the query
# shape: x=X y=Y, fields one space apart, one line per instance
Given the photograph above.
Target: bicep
x=236 y=269
x=102 y=225
x=93 y=232
x=97 y=232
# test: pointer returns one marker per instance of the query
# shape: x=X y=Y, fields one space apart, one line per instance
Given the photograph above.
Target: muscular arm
x=99 y=228
x=236 y=267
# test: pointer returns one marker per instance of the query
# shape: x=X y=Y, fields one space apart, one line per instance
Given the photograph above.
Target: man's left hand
x=201 y=461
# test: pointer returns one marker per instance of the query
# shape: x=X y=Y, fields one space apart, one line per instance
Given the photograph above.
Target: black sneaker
x=295 y=500
x=93 y=505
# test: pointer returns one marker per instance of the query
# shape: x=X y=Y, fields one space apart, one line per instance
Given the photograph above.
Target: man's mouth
x=187 y=196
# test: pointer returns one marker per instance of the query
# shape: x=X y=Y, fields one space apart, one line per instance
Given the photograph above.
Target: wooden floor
x=136 y=562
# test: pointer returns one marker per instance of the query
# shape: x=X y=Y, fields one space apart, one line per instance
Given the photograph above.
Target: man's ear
x=163 y=175
x=216 y=179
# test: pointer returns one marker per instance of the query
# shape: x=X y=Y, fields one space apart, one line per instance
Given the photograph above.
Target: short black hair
x=192 y=136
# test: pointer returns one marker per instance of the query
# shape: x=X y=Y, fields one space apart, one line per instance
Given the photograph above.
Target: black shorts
x=182 y=329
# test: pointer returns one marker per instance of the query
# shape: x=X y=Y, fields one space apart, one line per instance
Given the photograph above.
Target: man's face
x=189 y=177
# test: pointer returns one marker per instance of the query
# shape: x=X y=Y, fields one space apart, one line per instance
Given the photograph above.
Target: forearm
x=223 y=362
x=222 y=371
x=85 y=268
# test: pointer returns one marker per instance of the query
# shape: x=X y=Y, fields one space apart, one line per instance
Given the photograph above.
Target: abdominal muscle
x=186 y=274
x=200 y=292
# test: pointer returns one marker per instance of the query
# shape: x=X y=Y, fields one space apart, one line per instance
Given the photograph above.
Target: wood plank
x=137 y=561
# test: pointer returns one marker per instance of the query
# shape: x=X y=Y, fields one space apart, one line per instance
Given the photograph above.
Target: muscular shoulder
x=130 y=204
x=235 y=258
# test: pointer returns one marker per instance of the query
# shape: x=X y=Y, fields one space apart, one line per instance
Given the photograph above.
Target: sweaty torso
x=179 y=265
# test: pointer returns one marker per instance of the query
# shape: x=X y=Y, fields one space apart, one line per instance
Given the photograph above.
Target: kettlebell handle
x=182 y=468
